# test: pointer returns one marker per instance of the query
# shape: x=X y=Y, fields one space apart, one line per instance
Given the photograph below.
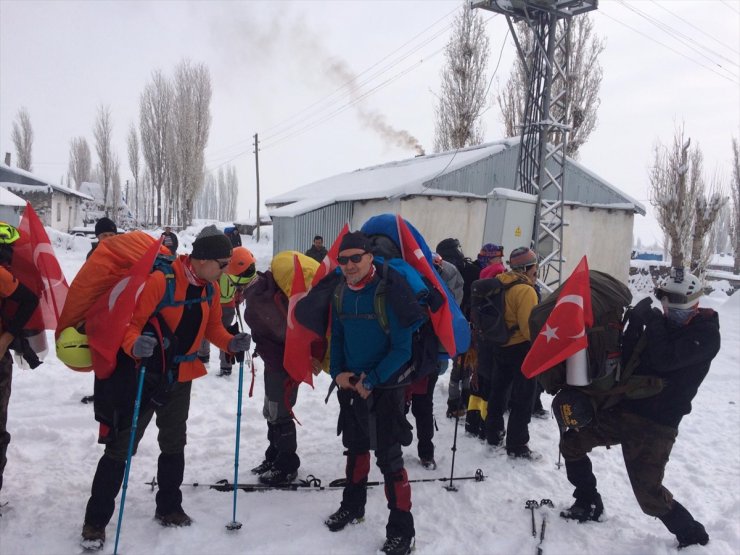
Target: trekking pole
x=532 y=505
x=454 y=444
x=234 y=524
x=132 y=439
x=544 y=503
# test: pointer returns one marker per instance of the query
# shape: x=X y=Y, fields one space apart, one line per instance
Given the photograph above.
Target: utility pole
x=543 y=139
x=257 y=169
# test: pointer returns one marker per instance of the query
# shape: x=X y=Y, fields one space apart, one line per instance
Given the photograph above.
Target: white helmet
x=679 y=290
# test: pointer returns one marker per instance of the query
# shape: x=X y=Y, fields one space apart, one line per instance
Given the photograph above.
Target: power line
x=681 y=37
x=730 y=6
x=412 y=39
x=601 y=10
x=695 y=27
x=345 y=85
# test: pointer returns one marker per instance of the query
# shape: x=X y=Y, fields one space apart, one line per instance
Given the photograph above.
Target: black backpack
x=613 y=354
x=487 y=309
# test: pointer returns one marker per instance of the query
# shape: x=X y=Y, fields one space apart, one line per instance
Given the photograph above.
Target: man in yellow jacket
x=506 y=360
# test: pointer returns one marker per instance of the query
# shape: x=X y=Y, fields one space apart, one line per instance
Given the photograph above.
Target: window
x=59 y=211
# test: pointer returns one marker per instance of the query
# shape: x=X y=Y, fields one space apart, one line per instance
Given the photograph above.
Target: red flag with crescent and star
x=297 y=358
x=107 y=319
x=564 y=332
x=35 y=265
x=442 y=318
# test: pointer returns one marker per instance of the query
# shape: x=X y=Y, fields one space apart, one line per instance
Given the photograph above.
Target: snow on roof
x=43 y=183
x=9 y=199
x=391 y=180
x=404 y=178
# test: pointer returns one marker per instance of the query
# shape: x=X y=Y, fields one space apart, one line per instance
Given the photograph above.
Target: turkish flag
x=297 y=357
x=107 y=319
x=36 y=266
x=564 y=333
x=329 y=263
x=441 y=318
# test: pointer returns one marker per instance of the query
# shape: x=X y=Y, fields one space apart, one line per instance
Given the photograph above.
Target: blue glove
x=144 y=346
x=240 y=342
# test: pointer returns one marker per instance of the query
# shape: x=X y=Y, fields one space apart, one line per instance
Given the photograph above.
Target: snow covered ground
x=53 y=455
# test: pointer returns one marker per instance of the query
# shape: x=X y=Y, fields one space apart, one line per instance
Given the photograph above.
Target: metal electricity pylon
x=544 y=125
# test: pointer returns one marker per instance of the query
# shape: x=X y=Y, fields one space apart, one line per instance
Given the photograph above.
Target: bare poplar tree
x=583 y=82
x=103 y=132
x=134 y=165
x=735 y=221
x=22 y=136
x=191 y=127
x=464 y=84
x=154 y=111
x=707 y=206
x=115 y=200
x=80 y=161
x=672 y=193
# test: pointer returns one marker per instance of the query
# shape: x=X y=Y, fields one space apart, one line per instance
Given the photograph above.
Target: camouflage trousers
x=646 y=448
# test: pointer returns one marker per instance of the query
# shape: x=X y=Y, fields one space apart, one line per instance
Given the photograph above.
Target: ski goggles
x=675 y=298
x=344 y=260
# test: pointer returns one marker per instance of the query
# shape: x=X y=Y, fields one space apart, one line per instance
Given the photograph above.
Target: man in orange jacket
x=165 y=340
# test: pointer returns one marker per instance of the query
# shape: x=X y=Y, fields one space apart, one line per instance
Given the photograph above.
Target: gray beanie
x=211 y=244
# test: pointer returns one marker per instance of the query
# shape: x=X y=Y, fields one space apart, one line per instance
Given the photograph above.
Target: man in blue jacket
x=370 y=363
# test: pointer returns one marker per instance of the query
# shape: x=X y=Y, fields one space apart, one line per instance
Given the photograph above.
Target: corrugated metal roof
x=472 y=171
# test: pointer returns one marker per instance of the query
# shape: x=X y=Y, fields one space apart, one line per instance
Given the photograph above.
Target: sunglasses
x=343 y=260
x=222 y=263
x=675 y=298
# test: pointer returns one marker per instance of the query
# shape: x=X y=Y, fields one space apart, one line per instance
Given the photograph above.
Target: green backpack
x=611 y=370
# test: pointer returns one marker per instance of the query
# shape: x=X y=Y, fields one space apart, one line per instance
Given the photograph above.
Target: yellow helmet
x=8 y=234
x=73 y=349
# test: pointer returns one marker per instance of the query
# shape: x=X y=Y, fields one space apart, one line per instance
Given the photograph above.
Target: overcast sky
x=276 y=67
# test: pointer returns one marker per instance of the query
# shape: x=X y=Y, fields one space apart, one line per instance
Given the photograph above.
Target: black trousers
x=506 y=373
x=377 y=423
x=422 y=407
x=6 y=378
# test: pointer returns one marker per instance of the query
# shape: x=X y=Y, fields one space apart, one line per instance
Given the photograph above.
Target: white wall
x=604 y=236
x=436 y=218
x=66 y=207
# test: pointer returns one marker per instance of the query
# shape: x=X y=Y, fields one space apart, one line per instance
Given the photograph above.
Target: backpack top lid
x=385 y=224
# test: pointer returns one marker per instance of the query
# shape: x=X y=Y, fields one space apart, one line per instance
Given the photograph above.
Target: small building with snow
x=57 y=206
x=457 y=194
x=11 y=207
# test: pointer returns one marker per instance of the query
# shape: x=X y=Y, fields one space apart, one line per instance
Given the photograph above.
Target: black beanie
x=355 y=240
x=211 y=244
x=105 y=225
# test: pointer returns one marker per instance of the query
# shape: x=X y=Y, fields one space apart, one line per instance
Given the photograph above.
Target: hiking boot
x=175 y=518
x=93 y=537
x=522 y=452
x=398 y=545
x=497 y=440
x=429 y=464
x=583 y=510
x=224 y=372
x=262 y=467
x=277 y=477
x=205 y=359
x=693 y=535
x=338 y=520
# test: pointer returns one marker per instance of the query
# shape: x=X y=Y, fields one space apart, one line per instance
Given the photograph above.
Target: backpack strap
x=380 y=312
x=163 y=263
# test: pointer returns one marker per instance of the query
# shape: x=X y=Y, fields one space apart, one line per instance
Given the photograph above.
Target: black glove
x=240 y=342
x=641 y=311
x=144 y=346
